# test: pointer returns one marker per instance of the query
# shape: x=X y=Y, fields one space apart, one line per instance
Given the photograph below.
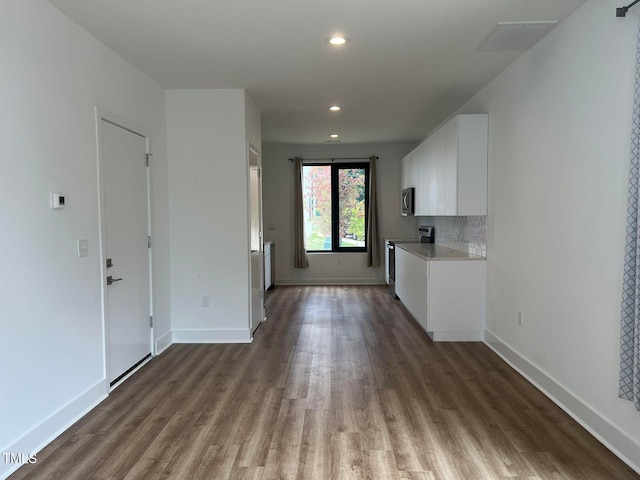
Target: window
x=335 y=207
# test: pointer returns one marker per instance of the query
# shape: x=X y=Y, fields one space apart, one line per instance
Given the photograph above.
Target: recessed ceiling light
x=334 y=135
x=335 y=108
x=338 y=40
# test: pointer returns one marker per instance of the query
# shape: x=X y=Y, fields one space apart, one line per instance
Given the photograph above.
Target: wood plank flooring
x=339 y=383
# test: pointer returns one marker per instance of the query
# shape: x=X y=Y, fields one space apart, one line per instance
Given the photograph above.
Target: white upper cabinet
x=449 y=169
x=466 y=165
x=407 y=171
x=440 y=161
x=426 y=185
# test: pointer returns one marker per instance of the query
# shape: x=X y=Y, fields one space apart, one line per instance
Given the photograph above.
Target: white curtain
x=630 y=321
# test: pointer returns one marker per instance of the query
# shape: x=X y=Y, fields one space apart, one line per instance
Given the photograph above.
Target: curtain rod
x=622 y=11
x=342 y=158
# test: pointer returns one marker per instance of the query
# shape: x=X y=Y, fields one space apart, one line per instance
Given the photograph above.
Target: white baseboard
x=329 y=281
x=623 y=446
x=47 y=430
x=163 y=342
x=212 y=336
x=456 y=336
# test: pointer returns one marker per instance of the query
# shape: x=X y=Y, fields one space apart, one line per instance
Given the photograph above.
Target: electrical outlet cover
x=83 y=248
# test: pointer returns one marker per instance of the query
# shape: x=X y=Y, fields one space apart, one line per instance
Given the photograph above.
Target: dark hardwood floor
x=339 y=382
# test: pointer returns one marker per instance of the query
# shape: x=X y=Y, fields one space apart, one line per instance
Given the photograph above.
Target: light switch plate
x=83 y=248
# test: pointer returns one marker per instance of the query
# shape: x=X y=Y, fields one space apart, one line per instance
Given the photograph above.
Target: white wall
x=208 y=171
x=560 y=123
x=51 y=345
x=330 y=268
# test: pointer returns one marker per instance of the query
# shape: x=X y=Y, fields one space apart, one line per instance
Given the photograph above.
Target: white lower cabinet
x=386 y=262
x=446 y=297
x=411 y=284
x=269 y=258
x=456 y=295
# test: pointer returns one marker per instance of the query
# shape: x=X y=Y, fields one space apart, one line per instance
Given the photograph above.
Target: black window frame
x=335 y=209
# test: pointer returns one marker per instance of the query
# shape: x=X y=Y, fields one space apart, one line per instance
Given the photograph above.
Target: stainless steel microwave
x=408 y=197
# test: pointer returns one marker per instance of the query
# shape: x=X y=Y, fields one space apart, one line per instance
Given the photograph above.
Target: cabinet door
x=426 y=181
x=451 y=167
x=411 y=284
x=420 y=167
x=472 y=164
x=386 y=261
x=408 y=170
x=404 y=172
x=402 y=275
x=267 y=268
x=439 y=171
x=430 y=176
x=457 y=298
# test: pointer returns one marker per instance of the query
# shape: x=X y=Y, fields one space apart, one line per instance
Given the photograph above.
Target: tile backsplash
x=467 y=234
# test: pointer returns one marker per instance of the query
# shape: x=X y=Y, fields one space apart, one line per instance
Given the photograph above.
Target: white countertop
x=401 y=240
x=433 y=251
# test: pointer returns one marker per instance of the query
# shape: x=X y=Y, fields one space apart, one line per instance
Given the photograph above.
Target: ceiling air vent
x=515 y=35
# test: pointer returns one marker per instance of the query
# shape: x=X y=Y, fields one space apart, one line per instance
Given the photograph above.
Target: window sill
x=318 y=252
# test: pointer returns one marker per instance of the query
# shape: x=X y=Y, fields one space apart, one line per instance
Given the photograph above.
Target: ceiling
x=408 y=64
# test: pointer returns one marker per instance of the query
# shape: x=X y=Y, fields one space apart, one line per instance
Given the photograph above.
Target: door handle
x=111 y=280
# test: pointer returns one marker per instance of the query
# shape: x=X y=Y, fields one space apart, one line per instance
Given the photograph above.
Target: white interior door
x=126 y=227
x=257 y=244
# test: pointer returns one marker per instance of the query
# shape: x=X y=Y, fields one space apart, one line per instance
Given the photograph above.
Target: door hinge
x=148 y=241
x=151 y=321
x=147 y=158
x=261 y=293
